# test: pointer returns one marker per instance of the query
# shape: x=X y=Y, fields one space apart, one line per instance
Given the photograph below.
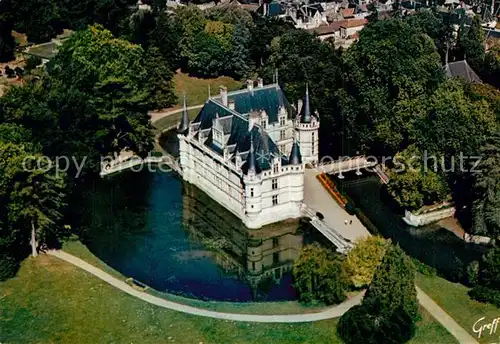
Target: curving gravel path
x=332 y=312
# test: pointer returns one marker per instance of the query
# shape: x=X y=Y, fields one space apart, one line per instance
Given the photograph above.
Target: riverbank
x=52 y=301
x=79 y=250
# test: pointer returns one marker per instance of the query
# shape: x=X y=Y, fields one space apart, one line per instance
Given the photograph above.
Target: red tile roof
x=355 y=23
x=327 y=29
x=348 y=12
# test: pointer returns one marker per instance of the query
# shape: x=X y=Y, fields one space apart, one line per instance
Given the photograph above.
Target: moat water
x=171 y=236
x=431 y=244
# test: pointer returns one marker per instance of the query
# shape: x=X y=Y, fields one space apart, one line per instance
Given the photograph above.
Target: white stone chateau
x=248 y=149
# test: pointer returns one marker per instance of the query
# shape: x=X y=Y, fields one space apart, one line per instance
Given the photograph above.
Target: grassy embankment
x=453 y=298
x=197 y=93
x=51 y=301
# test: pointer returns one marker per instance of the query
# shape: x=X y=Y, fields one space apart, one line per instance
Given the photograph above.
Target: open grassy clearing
x=51 y=301
x=453 y=298
x=197 y=89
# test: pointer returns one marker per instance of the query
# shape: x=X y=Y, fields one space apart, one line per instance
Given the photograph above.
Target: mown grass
x=453 y=298
x=51 y=301
x=197 y=89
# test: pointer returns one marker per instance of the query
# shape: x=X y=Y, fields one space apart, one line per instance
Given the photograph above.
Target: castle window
x=282 y=120
x=313 y=143
x=275 y=184
x=253 y=266
x=251 y=192
x=275 y=168
x=276 y=242
x=263 y=124
x=275 y=200
x=282 y=135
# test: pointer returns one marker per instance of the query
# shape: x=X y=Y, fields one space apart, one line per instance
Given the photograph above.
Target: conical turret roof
x=295 y=156
x=305 y=112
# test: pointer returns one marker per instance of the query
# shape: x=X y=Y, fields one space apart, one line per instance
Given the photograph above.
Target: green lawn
x=197 y=89
x=453 y=298
x=51 y=301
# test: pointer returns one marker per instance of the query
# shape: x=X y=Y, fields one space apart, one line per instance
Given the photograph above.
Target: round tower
x=252 y=179
x=307 y=128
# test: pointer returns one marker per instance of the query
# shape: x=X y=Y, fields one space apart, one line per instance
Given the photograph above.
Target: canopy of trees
x=363 y=260
x=319 y=275
x=389 y=309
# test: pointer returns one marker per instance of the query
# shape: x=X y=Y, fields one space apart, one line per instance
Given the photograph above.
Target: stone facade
x=244 y=150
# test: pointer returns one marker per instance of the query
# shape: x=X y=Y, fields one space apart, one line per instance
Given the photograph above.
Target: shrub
x=8 y=267
x=32 y=63
x=364 y=258
x=319 y=275
x=365 y=324
x=9 y=72
x=484 y=294
x=424 y=269
x=473 y=272
x=19 y=72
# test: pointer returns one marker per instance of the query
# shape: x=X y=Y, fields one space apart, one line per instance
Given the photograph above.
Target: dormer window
x=263 y=123
x=282 y=121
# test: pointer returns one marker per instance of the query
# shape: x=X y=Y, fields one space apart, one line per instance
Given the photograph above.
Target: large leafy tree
x=111 y=76
x=161 y=88
x=392 y=62
x=319 y=275
x=364 y=258
x=7 y=43
x=471 y=42
x=300 y=58
x=37 y=18
x=389 y=309
x=417 y=180
x=31 y=200
x=454 y=123
x=486 y=199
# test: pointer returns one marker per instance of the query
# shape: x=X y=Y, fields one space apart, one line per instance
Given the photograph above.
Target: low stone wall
x=418 y=220
x=476 y=239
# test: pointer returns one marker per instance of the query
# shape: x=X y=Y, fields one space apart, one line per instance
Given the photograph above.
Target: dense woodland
x=387 y=95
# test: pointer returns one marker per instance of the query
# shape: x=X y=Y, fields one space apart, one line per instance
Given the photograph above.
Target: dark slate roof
x=239 y=135
x=251 y=162
x=274 y=9
x=295 y=156
x=267 y=98
x=305 y=112
x=461 y=69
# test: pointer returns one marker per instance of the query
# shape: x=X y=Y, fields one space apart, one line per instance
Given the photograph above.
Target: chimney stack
x=260 y=82
x=250 y=85
x=223 y=95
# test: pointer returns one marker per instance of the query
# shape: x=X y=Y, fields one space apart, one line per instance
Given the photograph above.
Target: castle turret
x=305 y=112
x=307 y=127
x=184 y=125
x=253 y=185
x=295 y=156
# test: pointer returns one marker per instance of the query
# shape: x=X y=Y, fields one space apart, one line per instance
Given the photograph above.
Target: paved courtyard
x=318 y=198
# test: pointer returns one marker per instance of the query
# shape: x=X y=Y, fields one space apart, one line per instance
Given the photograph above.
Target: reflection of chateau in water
x=257 y=255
